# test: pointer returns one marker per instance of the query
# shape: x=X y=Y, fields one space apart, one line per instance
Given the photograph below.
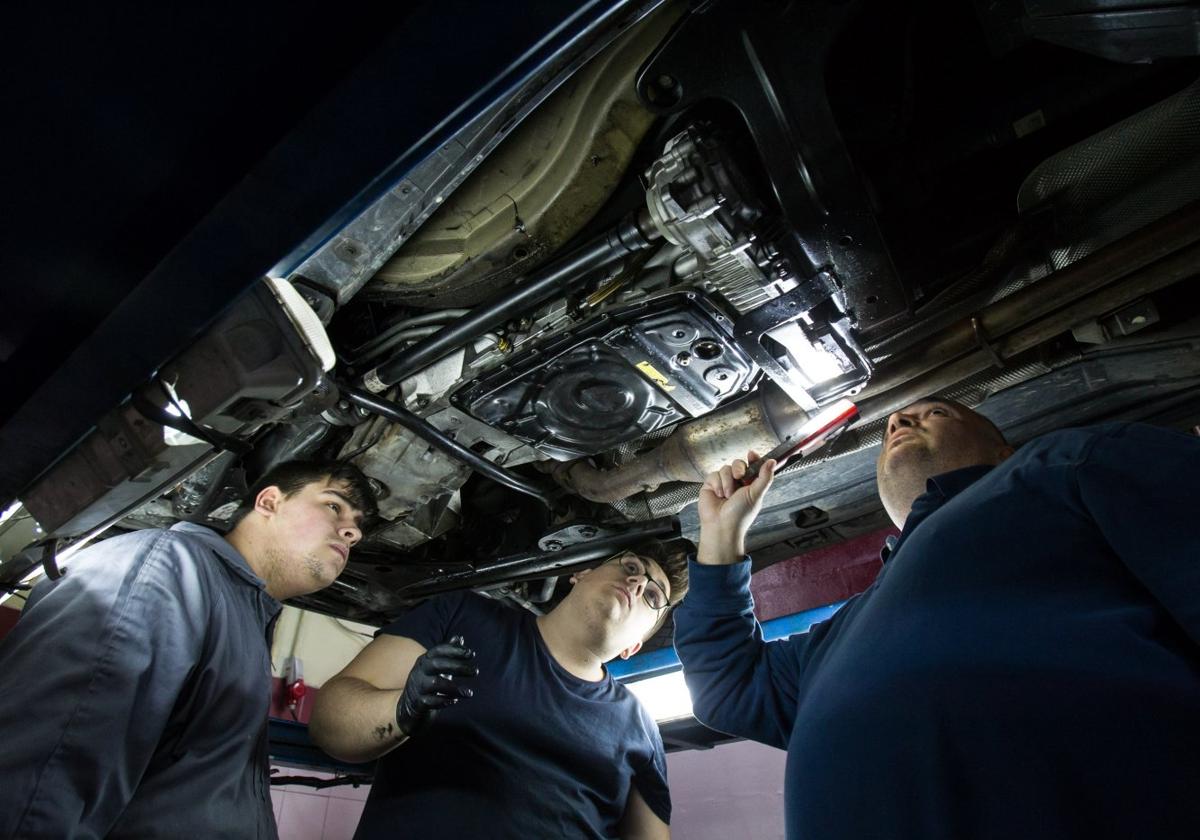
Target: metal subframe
x=535 y=565
x=245 y=236
x=772 y=71
x=436 y=437
x=632 y=234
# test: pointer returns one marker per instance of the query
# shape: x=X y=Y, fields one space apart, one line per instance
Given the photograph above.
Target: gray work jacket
x=134 y=694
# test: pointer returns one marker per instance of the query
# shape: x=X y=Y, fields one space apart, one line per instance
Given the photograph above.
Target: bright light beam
x=665 y=697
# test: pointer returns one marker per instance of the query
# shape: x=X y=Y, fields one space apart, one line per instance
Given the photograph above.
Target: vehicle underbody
x=673 y=247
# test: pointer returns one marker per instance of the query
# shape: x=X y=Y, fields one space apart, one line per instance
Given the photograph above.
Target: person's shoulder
x=1075 y=444
x=123 y=549
x=476 y=605
x=1142 y=446
x=148 y=554
x=470 y=606
x=1128 y=430
x=621 y=695
x=181 y=557
x=1067 y=446
x=1071 y=436
x=457 y=598
x=644 y=727
x=183 y=545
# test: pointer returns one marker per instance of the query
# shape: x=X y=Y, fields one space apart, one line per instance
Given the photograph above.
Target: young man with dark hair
x=1026 y=664
x=134 y=689
x=544 y=743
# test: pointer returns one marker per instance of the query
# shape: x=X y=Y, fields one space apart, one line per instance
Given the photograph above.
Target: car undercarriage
x=690 y=230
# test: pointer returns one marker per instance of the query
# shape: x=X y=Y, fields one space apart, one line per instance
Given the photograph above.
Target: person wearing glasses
x=495 y=722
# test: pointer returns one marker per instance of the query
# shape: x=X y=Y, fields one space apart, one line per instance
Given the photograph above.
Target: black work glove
x=431 y=684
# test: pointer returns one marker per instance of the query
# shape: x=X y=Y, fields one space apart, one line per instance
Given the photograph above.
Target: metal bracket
x=791 y=306
x=575 y=534
x=985 y=344
x=50 y=561
x=772 y=71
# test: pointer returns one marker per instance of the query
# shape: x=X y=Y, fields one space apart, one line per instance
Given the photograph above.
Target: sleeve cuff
x=727 y=585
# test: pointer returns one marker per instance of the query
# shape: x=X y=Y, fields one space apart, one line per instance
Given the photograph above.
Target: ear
x=580 y=575
x=267 y=501
x=631 y=650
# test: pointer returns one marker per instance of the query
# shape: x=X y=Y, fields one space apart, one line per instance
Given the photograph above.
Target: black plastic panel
x=622 y=375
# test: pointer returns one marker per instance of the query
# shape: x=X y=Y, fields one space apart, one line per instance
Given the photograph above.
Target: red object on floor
x=817 y=578
x=8 y=618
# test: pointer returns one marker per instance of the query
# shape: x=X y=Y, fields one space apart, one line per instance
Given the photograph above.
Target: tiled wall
x=306 y=813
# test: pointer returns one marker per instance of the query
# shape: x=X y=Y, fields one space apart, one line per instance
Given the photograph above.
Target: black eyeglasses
x=654 y=595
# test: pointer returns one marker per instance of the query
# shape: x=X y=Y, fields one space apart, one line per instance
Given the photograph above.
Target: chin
x=610 y=609
x=905 y=455
x=322 y=573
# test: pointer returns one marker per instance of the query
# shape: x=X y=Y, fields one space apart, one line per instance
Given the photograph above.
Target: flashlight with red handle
x=815 y=433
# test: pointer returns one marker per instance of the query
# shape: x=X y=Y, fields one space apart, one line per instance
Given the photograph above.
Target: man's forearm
x=355 y=721
x=738 y=683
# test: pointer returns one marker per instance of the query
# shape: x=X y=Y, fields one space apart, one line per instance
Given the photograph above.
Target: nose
x=350 y=533
x=638 y=581
x=899 y=420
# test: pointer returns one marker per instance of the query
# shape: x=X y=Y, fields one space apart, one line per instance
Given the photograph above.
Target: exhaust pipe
x=1160 y=255
x=759 y=422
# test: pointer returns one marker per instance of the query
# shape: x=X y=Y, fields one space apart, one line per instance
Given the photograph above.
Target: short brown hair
x=672 y=557
x=293 y=476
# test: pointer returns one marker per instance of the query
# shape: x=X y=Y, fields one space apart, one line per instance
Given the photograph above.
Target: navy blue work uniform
x=1025 y=665
x=536 y=752
x=134 y=694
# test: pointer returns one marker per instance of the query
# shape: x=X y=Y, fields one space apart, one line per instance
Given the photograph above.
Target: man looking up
x=544 y=742
x=1026 y=663
x=134 y=690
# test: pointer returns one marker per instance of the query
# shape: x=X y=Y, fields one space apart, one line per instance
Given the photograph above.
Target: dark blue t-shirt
x=1027 y=663
x=535 y=753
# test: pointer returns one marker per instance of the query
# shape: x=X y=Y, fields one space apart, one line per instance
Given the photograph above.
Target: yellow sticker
x=654 y=376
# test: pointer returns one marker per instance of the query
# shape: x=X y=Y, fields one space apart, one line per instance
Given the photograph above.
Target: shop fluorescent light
x=665 y=697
